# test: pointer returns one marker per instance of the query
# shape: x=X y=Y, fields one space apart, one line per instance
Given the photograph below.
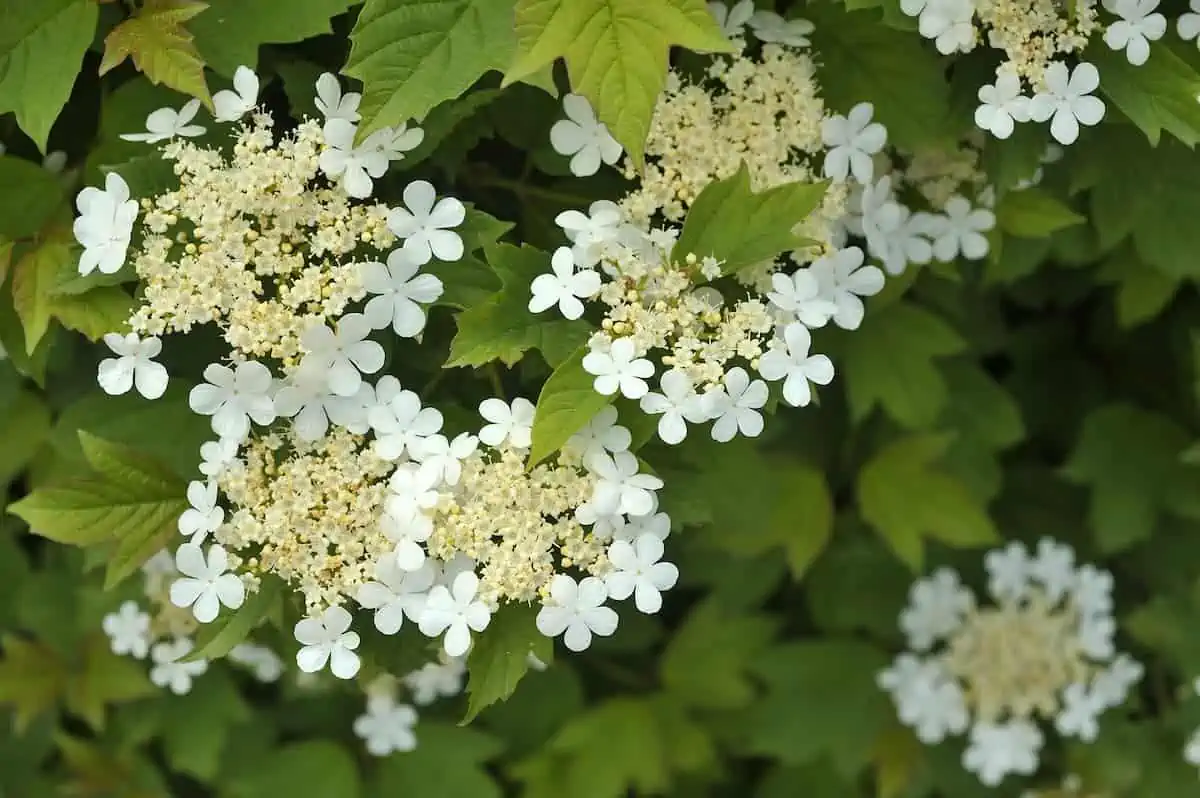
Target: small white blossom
x=203 y=517
x=508 y=422
x=601 y=434
x=395 y=142
x=233 y=105
x=264 y=663
x=402 y=425
x=216 y=455
x=1188 y=24
x=327 y=638
x=456 y=612
x=961 y=231
x=206 y=584
x=619 y=369
x=997 y=749
x=735 y=405
x=332 y=103
x=658 y=525
x=407 y=529
x=444 y=457
x=307 y=399
x=637 y=571
x=434 y=680
x=105 y=225
x=169 y=672
x=344 y=355
x=589 y=233
x=843 y=279
x=584 y=137
x=1138 y=25
x=1008 y=572
x=395 y=594
x=1080 y=710
x=399 y=293
x=619 y=487
x=928 y=699
x=677 y=404
x=852 y=140
x=386 y=727
x=564 y=286
x=1002 y=104
x=133 y=366
x=772 y=28
x=576 y=611
x=233 y=397
x=949 y=24
x=354 y=165
x=795 y=366
x=128 y=630
x=1067 y=101
x=799 y=295
x=1054 y=567
x=898 y=237
x=936 y=609
x=425 y=226
x=732 y=20
x=167 y=123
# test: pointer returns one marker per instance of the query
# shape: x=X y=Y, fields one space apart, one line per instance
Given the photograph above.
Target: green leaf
x=25 y=212
x=765 y=221
x=314 y=769
x=616 y=52
x=94 y=313
x=48 y=56
x=1142 y=291
x=707 y=663
x=412 y=56
x=445 y=119
x=216 y=639
x=161 y=48
x=447 y=764
x=197 y=724
x=981 y=409
x=889 y=362
x=229 y=32
x=24 y=426
x=1157 y=95
x=33 y=279
x=1032 y=213
x=500 y=659
x=945 y=511
x=104 y=678
x=566 y=404
x=32 y=677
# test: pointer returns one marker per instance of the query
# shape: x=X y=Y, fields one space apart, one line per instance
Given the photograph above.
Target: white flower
x=167 y=123
x=1092 y=591
x=1080 y=709
x=735 y=406
x=424 y=226
x=398 y=289
x=104 y=225
x=395 y=593
x=408 y=529
x=1008 y=572
x=936 y=608
x=997 y=749
x=961 y=229
x=394 y=142
x=637 y=571
x=1068 y=99
x=386 y=727
x=948 y=23
x=512 y=423
x=1191 y=753
x=206 y=584
x=591 y=232
x=233 y=397
x=169 y=672
x=327 y=638
x=619 y=487
x=455 y=611
x=658 y=525
x=412 y=489
x=444 y=457
x=842 y=279
x=619 y=369
x=583 y=136
x=1138 y=26
x=928 y=700
x=1112 y=684
x=601 y=434
x=564 y=287
x=770 y=27
x=852 y=140
x=898 y=237
x=264 y=663
x=133 y=366
x=332 y=103
x=203 y=517
x=308 y=401
x=677 y=404
x=403 y=425
x=216 y=455
x=435 y=679
x=344 y=355
x=1054 y=567
x=576 y=611
x=353 y=166
x=233 y=105
x=128 y=630
x=799 y=295
x=1188 y=24
x=795 y=366
x=732 y=20
x=1001 y=104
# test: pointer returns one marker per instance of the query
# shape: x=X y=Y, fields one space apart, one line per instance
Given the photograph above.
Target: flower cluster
x=1041 y=653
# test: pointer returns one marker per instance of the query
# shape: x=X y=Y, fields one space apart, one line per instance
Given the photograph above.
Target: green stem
x=528 y=190
x=494 y=378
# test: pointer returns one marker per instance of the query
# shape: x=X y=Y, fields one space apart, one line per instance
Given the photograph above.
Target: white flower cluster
x=1041 y=653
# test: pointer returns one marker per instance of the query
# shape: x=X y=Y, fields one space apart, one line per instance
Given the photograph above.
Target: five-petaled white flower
x=403 y=425
x=203 y=517
x=425 y=226
x=584 y=137
x=961 y=230
x=735 y=406
x=264 y=663
x=512 y=423
x=590 y=232
x=1138 y=25
x=399 y=293
x=637 y=571
x=354 y=165
x=1068 y=100
x=792 y=363
x=167 y=123
x=216 y=455
x=576 y=611
x=105 y=225
x=444 y=457
x=1001 y=104
x=799 y=296
x=133 y=366
x=455 y=611
x=169 y=672
x=852 y=140
x=732 y=20
x=332 y=103
x=601 y=434
x=387 y=726
x=619 y=487
x=307 y=399
x=435 y=679
x=395 y=593
x=233 y=105
x=564 y=287
x=947 y=22
x=327 y=638
x=345 y=355
x=843 y=280
x=233 y=397
x=619 y=369
x=677 y=404
x=772 y=28
x=128 y=630
x=407 y=528
x=206 y=584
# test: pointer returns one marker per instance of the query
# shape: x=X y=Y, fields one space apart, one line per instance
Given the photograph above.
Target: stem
x=494 y=377
x=528 y=190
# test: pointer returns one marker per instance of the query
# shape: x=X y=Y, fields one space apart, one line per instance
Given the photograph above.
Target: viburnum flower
x=104 y=226
x=399 y=293
x=948 y=23
x=434 y=680
x=658 y=525
x=799 y=295
x=677 y=404
x=852 y=140
x=412 y=489
x=264 y=663
x=898 y=237
x=327 y=638
x=387 y=726
x=997 y=749
x=843 y=279
x=206 y=584
x=1068 y=101
x=128 y=630
x=169 y=672
x=167 y=123
x=456 y=612
x=354 y=165
x=233 y=397
x=793 y=364
x=732 y=20
x=216 y=455
x=619 y=369
x=1001 y=104
x=307 y=399
x=1188 y=24
x=735 y=404
x=619 y=487
x=772 y=28
x=332 y=103
x=408 y=529
x=601 y=434
x=395 y=593
x=344 y=355
x=1137 y=27
x=576 y=611
x=509 y=422
x=638 y=571
x=133 y=366
x=589 y=233
x=203 y=517
x=584 y=137
x=444 y=457
x=928 y=699
x=425 y=227
x=402 y=425
x=564 y=287
x=961 y=229
x=233 y=105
